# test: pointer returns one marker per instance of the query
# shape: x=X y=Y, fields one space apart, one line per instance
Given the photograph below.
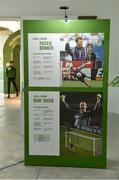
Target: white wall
x=113 y=100
x=105 y=9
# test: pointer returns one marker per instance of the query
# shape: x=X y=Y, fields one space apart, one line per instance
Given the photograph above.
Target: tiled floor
x=11 y=150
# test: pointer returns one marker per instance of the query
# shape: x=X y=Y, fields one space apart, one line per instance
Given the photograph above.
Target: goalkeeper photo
x=81 y=123
x=82 y=113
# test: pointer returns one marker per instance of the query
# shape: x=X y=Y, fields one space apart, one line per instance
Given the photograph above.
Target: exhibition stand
x=66 y=92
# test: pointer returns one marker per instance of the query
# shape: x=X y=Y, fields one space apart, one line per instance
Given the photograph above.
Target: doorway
x=11 y=138
x=9 y=50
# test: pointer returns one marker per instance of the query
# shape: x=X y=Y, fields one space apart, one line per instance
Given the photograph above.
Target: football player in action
x=82 y=113
x=79 y=75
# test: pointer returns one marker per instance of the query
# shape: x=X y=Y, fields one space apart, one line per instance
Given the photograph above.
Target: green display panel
x=65 y=83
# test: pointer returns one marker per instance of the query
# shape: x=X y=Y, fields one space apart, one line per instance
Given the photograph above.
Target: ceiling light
x=65 y=8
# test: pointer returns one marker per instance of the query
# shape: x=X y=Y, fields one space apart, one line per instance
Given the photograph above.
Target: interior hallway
x=12 y=150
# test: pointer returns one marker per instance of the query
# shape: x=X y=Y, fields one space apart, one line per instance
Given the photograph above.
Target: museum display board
x=65 y=92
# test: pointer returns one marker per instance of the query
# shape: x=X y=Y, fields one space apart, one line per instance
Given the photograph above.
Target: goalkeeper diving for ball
x=79 y=75
x=82 y=113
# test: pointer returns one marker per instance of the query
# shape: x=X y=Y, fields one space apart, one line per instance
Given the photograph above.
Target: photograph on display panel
x=76 y=59
x=81 y=123
x=81 y=60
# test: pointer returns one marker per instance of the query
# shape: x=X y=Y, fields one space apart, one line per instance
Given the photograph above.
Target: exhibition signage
x=65 y=88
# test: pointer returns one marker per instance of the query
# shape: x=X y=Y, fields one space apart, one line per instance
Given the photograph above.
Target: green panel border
x=59 y=26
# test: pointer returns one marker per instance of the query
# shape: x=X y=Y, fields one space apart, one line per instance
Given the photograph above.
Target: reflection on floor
x=12 y=148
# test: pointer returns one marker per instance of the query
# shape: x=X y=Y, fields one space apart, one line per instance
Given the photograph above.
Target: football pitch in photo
x=76 y=142
x=92 y=83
